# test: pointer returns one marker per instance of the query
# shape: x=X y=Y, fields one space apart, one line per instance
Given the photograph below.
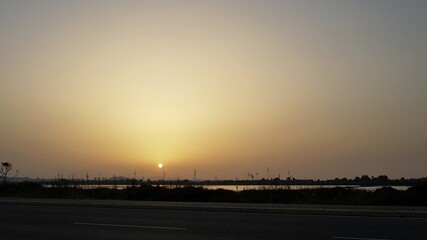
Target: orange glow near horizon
x=224 y=89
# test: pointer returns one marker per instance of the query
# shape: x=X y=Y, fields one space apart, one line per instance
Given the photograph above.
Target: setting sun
x=225 y=88
x=245 y=104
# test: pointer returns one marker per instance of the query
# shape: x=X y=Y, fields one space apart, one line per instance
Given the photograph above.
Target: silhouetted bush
x=416 y=196
x=419 y=188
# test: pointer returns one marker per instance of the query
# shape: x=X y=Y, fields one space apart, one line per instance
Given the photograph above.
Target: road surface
x=59 y=222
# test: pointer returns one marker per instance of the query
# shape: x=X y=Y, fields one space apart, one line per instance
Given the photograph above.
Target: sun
x=160 y=165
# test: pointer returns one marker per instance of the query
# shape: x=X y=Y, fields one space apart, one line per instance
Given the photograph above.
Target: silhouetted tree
x=382 y=178
x=365 y=178
x=5 y=168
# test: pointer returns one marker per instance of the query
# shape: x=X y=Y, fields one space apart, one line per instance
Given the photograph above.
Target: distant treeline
x=414 y=196
x=364 y=180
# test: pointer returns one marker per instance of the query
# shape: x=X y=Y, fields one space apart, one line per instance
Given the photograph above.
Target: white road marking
x=129 y=226
x=355 y=238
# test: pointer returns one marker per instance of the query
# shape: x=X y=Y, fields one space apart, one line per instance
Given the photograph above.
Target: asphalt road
x=55 y=222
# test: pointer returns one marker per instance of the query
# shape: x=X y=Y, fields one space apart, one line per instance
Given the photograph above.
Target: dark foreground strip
x=129 y=226
x=219 y=208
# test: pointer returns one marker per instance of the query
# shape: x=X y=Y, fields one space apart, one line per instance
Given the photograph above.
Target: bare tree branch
x=5 y=168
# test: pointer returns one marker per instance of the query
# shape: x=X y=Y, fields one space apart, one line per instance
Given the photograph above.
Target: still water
x=297 y=187
x=253 y=187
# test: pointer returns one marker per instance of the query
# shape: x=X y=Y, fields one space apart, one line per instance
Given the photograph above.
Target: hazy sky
x=322 y=89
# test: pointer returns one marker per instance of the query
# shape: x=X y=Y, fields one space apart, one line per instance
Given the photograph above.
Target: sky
x=313 y=89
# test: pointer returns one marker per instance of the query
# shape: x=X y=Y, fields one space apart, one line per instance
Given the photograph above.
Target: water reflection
x=297 y=187
x=248 y=187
